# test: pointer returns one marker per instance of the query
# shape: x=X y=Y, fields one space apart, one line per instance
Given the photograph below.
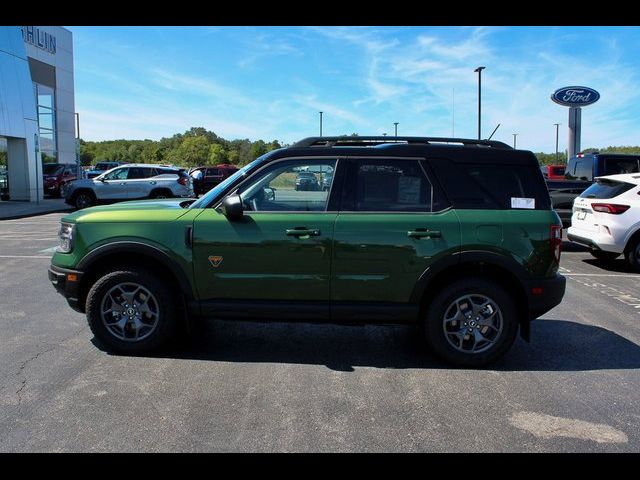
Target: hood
x=140 y=211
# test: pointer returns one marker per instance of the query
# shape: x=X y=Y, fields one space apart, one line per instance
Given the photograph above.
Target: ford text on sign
x=575 y=96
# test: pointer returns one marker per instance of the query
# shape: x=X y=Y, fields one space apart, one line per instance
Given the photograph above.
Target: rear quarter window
x=492 y=186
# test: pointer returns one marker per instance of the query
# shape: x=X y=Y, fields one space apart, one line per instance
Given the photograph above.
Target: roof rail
x=368 y=141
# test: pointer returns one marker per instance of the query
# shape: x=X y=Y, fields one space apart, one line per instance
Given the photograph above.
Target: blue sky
x=270 y=82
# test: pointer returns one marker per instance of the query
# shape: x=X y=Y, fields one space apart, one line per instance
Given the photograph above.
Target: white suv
x=130 y=182
x=606 y=218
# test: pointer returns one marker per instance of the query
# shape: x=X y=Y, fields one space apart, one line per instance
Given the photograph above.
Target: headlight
x=66 y=237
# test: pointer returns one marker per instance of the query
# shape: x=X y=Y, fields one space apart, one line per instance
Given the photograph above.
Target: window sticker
x=517 y=202
x=409 y=190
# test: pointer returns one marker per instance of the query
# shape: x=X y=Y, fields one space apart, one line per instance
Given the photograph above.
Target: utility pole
x=514 y=139
x=396 y=125
x=320 y=123
x=479 y=70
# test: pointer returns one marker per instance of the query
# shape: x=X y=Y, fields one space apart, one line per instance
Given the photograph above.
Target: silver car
x=130 y=182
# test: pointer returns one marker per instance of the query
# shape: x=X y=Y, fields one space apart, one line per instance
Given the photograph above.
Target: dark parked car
x=307 y=181
x=211 y=176
x=56 y=176
x=579 y=175
x=102 y=167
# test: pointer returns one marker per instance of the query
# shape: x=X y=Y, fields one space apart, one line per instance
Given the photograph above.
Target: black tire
x=632 y=253
x=161 y=194
x=84 y=199
x=604 y=256
x=440 y=304
x=165 y=302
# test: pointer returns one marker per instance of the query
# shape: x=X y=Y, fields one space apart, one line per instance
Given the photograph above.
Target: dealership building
x=37 y=107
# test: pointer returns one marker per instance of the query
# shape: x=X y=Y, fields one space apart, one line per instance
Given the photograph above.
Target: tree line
x=197 y=146
x=561 y=158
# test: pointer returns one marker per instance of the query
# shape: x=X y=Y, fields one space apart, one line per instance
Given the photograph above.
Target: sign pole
x=575 y=124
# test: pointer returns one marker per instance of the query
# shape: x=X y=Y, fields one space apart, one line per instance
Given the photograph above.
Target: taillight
x=556 y=241
x=609 y=208
x=183 y=180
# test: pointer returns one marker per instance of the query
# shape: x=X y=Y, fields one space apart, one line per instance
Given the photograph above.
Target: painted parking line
x=25 y=256
x=600 y=275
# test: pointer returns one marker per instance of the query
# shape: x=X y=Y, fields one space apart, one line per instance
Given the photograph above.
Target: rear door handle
x=302 y=232
x=424 y=233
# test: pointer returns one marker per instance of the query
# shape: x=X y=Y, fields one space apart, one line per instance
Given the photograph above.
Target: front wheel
x=131 y=311
x=84 y=200
x=471 y=322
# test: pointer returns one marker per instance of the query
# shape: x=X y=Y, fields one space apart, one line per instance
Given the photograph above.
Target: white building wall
x=18 y=117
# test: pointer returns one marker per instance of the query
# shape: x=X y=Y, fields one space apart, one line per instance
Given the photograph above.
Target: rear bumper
x=66 y=287
x=596 y=241
x=551 y=294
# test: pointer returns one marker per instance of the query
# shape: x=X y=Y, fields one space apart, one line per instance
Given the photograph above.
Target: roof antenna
x=493 y=132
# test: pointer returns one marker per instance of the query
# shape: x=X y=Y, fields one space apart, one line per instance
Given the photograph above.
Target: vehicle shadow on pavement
x=556 y=345
x=618 y=265
x=568 y=246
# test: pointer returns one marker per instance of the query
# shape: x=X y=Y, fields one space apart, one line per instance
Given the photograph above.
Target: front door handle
x=424 y=233
x=302 y=232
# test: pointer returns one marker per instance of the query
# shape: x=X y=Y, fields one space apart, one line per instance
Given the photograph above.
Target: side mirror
x=269 y=194
x=232 y=207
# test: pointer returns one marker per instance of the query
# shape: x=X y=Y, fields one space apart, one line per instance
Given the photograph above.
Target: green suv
x=455 y=235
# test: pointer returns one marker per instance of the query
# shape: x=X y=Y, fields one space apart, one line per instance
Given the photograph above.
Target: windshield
x=215 y=191
x=52 y=168
x=605 y=188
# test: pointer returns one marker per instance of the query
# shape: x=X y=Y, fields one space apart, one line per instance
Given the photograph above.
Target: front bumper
x=551 y=291
x=63 y=281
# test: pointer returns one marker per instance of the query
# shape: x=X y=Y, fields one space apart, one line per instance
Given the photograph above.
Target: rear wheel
x=632 y=253
x=131 y=311
x=602 y=255
x=160 y=194
x=471 y=322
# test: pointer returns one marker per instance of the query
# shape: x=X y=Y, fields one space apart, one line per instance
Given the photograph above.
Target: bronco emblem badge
x=215 y=260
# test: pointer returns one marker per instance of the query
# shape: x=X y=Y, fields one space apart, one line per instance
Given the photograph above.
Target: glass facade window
x=46 y=104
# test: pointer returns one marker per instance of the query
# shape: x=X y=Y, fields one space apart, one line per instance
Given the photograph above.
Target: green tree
x=217 y=154
x=193 y=151
x=258 y=148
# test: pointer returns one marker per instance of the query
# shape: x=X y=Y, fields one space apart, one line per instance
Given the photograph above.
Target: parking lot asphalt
x=248 y=386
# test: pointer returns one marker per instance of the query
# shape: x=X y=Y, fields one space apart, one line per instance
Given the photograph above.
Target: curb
x=26 y=215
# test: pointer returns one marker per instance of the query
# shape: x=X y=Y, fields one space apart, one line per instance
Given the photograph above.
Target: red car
x=55 y=175
x=553 y=172
x=211 y=176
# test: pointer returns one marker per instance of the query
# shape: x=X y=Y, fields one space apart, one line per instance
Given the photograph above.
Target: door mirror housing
x=232 y=207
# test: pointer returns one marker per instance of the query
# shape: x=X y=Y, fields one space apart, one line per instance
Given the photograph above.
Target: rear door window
x=389 y=185
x=493 y=187
x=139 y=172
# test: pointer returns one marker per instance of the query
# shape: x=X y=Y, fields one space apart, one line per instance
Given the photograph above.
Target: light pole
x=396 y=125
x=514 y=139
x=557 y=129
x=479 y=70
x=320 y=123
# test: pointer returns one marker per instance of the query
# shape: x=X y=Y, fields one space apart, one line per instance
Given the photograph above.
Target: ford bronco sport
x=455 y=235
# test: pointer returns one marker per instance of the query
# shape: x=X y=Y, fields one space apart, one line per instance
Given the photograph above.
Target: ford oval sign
x=575 y=96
